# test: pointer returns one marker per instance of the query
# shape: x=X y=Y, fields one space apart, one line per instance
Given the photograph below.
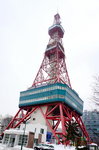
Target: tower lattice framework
x=53 y=70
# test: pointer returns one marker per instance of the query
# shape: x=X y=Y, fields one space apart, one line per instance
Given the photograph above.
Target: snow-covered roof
x=15 y=131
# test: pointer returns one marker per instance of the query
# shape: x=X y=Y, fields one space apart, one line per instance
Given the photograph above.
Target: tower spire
x=53 y=68
x=57 y=19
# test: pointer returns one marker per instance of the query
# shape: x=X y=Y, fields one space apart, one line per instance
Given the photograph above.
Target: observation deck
x=56 y=28
x=52 y=93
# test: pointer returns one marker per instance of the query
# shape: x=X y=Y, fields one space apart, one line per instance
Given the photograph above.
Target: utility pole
x=24 y=132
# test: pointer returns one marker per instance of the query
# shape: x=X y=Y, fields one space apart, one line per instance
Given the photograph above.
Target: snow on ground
x=56 y=147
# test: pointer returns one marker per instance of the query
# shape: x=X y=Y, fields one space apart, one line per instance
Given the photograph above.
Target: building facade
x=91 y=121
x=27 y=135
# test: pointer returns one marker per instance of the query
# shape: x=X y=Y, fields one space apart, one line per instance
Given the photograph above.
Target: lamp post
x=24 y=132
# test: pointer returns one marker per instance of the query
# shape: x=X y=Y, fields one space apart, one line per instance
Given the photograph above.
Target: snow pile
x=56 y=147
x=4 y=147
x=19 y=147
x=62 y=147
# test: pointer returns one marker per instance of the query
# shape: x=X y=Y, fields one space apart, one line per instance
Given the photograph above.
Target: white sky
x=23 y=38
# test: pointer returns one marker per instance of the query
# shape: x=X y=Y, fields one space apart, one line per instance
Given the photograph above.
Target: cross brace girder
x=59 y=113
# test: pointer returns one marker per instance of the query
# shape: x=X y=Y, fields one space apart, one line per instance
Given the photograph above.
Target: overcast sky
x=23 y=38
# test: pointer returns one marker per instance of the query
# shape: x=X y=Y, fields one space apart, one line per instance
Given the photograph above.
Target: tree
x=73 y=131
x=95 y=88
x=5 y=121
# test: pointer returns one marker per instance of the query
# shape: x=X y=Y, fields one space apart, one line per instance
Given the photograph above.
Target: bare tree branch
x=95 y=89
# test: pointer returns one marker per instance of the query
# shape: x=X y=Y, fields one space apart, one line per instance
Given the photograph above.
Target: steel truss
x=57 y=115
x=53 y=69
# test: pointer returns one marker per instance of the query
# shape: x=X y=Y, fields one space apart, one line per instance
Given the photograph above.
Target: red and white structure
x=53 y=70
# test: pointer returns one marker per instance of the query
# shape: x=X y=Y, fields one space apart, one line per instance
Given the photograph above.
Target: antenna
x=57 y=5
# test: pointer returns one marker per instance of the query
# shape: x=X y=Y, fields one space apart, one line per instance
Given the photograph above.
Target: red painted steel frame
x=58 y=73
x=58 y=113
x=53 y=69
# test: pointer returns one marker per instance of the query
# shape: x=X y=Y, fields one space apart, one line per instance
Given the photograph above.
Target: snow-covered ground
x=57 y=147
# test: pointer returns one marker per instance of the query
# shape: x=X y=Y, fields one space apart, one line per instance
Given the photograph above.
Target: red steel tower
x=51 y=92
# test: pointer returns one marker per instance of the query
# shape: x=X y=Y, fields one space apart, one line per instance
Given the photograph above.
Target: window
x=12 y=140
x=42 y=131
x=35 y=130
x=6 y=139
x=23 y=138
